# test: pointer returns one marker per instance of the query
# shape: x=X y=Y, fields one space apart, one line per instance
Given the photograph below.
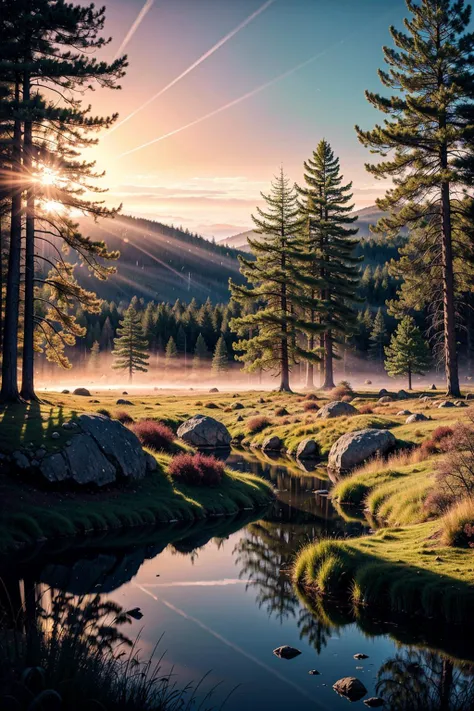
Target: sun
x=48 y=177
x=53 y=206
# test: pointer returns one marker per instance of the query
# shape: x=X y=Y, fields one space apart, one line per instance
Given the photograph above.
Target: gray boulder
x=54 y=468
x=286 y=652
x=384 y=399
x=416 y=417
x=354 y=448
x=81 y=391
x=272 y=444
x=151 y=463
x=446 y=403
x=383 y=392
x=375 y=702
x=351 y=688
x=119 y=444
x=121 y=401
x=307 y=449
x=20 y=460
x=336 y=409
x=403 y=413
x=214 y=390
x=461 y=403
x=204 y=432
x=86 y=464
x=402 y=395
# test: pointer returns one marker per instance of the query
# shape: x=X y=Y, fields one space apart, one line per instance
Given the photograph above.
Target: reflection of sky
x=209 y=176
x=221 y=629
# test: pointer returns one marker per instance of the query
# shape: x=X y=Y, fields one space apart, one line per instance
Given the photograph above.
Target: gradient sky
x=209 y=176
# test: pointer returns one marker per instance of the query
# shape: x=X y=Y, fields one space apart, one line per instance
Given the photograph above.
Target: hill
x=365 y=217
x=160 y=262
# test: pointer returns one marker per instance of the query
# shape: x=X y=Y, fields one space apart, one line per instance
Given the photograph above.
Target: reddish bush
x=342 y=390
x=311 y=396
x=437 y=503
x=441 y=433
x=439 y=441
x=257 y=424
x=155 y=435
x=197 y=469
x=366 y=410
x=123 y=417
x=310 y=405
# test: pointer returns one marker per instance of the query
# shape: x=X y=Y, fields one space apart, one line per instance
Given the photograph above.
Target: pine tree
x=220 y=359
x=329 y=243
x=171 y=352
x=427 y=134
x=408 y=353
x=131 y=345
x=378 y=338
x=201 y=353
x=267 y=334
x=94 y=356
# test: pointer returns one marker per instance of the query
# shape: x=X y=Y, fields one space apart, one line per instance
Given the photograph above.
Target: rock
x=433 y=387
x=313 y=672
x=135 y=612
x=402 y=395
x=40 y=453
x=81 y=391
x=86 y=464
x=367 y=382
x=272 y=444
x=54 y=468
x=67 y=426
x=446 y=403
x=353 y=448
x=286 y=652
x=383 y=392
x=237 y=406
x=351 y=688
x=121 y=401
x=119 y=444
x=239 y=418
x=307 y=449
x=416 y=417
x=361 y=656
x=460 y=403
x=403 y=413
x=384 y=399
x=321 y=492
x=55 y=435
x=20 y=460
x=470 y=396
x=336 y=409
x=203 y=431
x=374 y=702
x=124 y=392
x=214 y=390
x=151 y=463
x=65 y=392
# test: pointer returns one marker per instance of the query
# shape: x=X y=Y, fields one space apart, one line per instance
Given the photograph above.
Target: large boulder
x=272 y=444
x=351 y=688
x=354 y=448
x=385 y=399
x=286 y=652
x=416 y=417
x=84 y=392
x=307 y=449
x=446 y=403
x=338 y=408
x=204 y=432
x=100 y=451
x=402 y=395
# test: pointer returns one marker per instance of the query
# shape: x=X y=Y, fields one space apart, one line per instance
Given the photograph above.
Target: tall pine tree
x=378 y=338
x=427 y=131
x=131 y=346
x=408 y=353
x=220 y=359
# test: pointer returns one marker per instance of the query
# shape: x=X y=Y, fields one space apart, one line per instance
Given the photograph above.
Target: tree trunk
x=409 y=379
x=322 y=364
x=328 y=362
x=451 y=360
x=9 y=391
x=309 y=366
x=27 y=385
x=1 y=283
x=284 y=358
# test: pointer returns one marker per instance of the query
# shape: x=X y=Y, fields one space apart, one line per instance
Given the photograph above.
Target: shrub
x=155 y=435
x=311 y=396
x=458 y=524
x=438 y=503
x=310 y=405
x=123 y=417
x=342 y=390
x=258 y=424
x=197 y=469
x=104 y=412
x=455 y=473
x=441 y=433
x=281 y=412
x=366 y=410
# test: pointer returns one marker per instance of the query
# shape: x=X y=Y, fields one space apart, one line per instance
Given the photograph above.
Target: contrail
x=248 y=95
x=199 y=61
x=134 y=27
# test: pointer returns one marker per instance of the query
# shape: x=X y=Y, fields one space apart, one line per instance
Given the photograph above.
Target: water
x=219 y=596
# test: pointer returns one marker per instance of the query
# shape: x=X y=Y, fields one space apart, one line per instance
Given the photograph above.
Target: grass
x=455 y=522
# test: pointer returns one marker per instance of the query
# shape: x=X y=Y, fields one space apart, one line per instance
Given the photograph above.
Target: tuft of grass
x=453 y=524
x=124 y=417
x=154 y=435
x=258 y=424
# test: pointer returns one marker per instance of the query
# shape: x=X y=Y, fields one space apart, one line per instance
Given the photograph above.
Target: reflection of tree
x=314 y=630
x=417 y=680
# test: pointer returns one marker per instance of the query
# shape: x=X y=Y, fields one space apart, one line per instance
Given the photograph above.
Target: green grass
x=405 y=570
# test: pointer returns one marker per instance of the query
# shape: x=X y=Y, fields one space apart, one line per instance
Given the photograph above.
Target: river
x=219 y=598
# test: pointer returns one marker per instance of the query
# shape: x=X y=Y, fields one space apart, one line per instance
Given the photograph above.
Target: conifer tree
x=408 y=353
x=220 y=359
x=378 y=338
x=426 y=144
x=171 y=352
x=329 y=246
x=131 y=346
x=267 y=334
x=94 y=356
x=201 y=354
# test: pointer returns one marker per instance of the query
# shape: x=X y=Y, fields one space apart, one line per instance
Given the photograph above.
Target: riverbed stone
x=354 y=448
x=351 y=688
x=272 y=444
x=416 y=417
x=204 y=432
x=307 y=449
x=374 y=702
x=83 y=392
x=338 y=408
x=286 y=652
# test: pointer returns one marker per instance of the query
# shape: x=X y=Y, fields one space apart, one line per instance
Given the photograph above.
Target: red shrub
x=342 y=390
x=197 y=469
x=310 y=405
x=441 y=433
x=155 y=435
x=366 y=410
x=437 y=503
x=439 y=441
x=123 y=417
x=258 y=423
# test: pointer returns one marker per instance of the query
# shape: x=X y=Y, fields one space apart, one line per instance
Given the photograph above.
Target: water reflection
x=232 y=628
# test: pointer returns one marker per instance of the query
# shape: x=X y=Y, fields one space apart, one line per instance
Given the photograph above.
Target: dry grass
x=455 y=521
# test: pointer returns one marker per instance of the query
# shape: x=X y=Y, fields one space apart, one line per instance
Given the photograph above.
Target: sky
x=293 y=72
